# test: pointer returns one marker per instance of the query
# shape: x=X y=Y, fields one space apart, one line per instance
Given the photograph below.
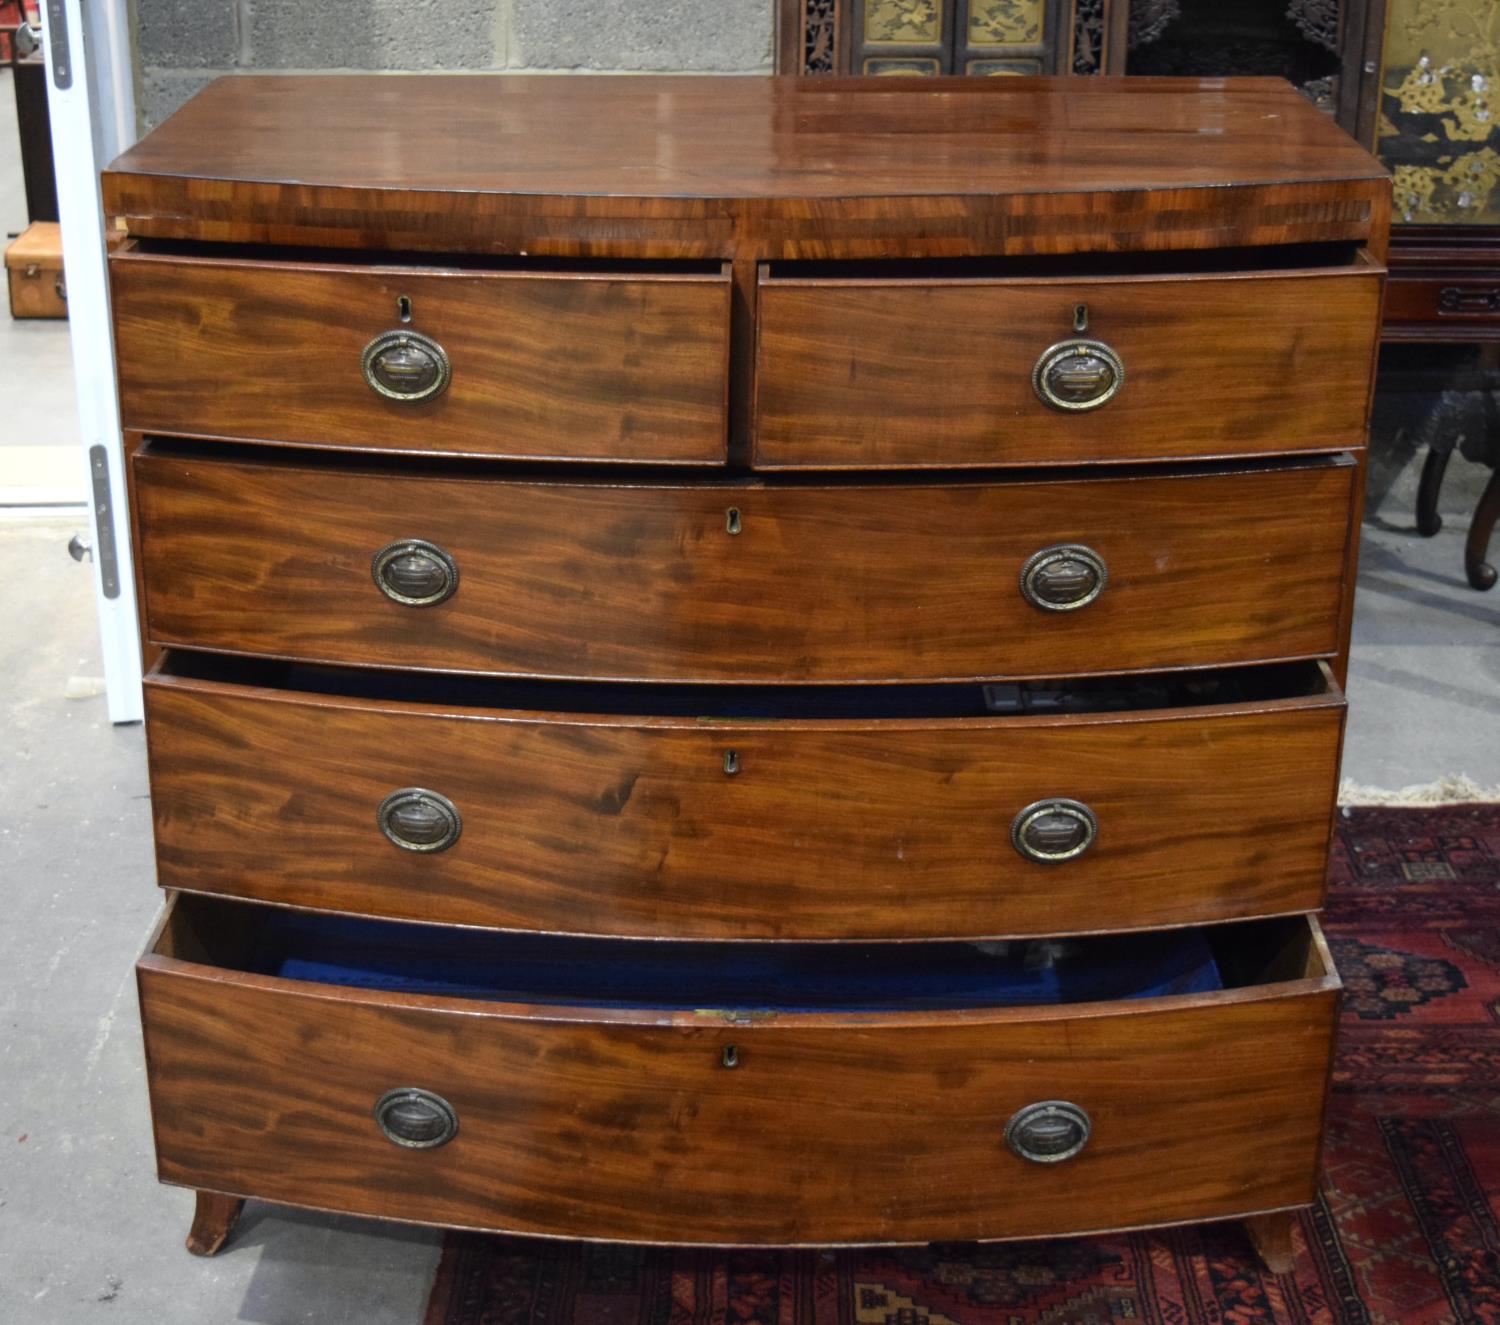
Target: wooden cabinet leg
x=1428 y=519
x=1272 y=1238
x=212 y=1221
x=1481 y=574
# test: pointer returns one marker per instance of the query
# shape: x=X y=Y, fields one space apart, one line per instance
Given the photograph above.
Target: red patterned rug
x=1407 y=1231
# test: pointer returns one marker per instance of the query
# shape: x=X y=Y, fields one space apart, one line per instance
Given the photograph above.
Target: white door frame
x=93 y=121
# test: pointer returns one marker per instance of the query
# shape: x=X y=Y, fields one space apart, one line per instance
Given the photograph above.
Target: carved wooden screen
x=1319 y=45
x=925 y=37
x=1324 y=46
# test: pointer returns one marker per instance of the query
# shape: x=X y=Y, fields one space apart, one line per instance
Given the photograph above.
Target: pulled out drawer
x=531 y=362
x=776 y=581
x=560 y=1087
x=880 y=812
x=914 y=371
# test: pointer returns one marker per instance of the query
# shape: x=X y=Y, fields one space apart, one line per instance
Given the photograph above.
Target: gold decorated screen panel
x=903 y=22
x=1437 y=128
x=911 y=66
x=1003 y=68
x=1005 y=22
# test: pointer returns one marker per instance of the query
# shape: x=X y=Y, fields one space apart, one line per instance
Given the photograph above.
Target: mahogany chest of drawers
x=745 y=661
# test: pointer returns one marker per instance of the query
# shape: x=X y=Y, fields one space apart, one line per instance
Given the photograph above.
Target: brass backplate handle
x=406 y=365
x=1055 y=830
x=1048 y=1132
x=415 y=1118
x=414 y=572
x=416 y=819
x=1077 y=375
x=1063 y=577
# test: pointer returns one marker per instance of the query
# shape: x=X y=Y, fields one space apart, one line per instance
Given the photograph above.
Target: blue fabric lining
x=376 y=954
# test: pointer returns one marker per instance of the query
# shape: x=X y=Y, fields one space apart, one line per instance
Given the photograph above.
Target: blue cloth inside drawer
x=374 y=954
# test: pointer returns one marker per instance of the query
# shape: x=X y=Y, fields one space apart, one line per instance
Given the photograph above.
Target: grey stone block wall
x=182 y=45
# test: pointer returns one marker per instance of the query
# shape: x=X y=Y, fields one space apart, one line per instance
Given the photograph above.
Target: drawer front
x=540 y=365
x=1432 y=306
x=742 y=583
x=825 y=830
x=940 y=373
x=829 y=1128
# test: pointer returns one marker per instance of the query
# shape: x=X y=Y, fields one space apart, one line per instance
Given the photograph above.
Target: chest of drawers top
x=767 y=168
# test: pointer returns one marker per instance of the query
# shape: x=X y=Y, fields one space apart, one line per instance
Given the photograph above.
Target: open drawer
x=747 y=812
x=679 y=1094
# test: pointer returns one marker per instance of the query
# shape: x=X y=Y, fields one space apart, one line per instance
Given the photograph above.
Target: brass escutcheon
x=416 y=1118
x=1077 y=375
x=416 y=819
x=414 y=572
x=1063 y=577
x=406 y=365
x=1048 y=1132
x=1055 y=830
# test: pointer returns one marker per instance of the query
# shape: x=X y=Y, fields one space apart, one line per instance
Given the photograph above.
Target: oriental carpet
x=1405 y=1232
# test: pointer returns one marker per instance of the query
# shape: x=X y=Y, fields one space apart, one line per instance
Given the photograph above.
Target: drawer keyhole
x=732 y=520
x=731 y=762
x=731 y=1055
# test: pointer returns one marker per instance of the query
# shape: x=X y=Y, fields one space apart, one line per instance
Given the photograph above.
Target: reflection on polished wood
x=831 y=1128
x=749 y=167
x=644 y=581
x=829 y=829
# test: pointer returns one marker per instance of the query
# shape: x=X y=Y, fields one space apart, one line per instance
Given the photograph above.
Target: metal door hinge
x=104 y=523
x=58 y=46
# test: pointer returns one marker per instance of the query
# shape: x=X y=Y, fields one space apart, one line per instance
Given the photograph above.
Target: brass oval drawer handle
x=406 y=365
x=416 y=819
x=1054 y=830
x=416 y=1118
x=415 y=572
x=1048 y=1132
x=1063 y=577
x=1077 y=375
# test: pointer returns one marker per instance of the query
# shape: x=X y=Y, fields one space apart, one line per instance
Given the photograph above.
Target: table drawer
x=940 y=373
x=541 y=364
x=747 y=582
x=829 y=1126
x=1211 y=802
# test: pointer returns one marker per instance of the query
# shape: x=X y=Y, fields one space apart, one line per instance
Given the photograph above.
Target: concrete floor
x=85 y=1231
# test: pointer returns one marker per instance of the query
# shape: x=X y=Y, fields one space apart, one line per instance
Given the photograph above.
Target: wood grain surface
x=642 y=581
x=897 y=373
x=833 y=1128
x=545 y=365
x=749 y=167
x=830 y=829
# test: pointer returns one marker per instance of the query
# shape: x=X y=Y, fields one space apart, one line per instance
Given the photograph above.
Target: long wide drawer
x=453 y=803
x=892 y=372
x=742 y=582
x=539 y=364
x=680 y=1123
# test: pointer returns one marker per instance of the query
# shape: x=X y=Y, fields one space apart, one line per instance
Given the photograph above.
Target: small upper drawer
x=957 y=371
x=534 y=364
